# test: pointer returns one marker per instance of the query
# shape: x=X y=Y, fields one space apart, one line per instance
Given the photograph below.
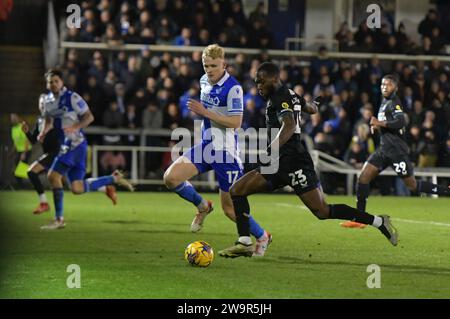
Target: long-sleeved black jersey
x=281 y=102
x=392 y=139
x=51 y=143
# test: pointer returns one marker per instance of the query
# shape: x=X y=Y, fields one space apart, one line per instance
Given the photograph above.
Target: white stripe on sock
x=246 y=240
x=377 y=221
x=42 y=198
x=203 y=206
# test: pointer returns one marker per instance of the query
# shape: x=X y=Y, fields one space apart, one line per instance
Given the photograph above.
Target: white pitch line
x=396 y=219
x=421 y=222
x=291 y=205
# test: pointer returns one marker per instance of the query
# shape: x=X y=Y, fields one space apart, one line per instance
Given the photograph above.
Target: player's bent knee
x=52 y=178
x=77 y=191
x=36 y=168
x=411 y=185
x=321 y=217
x=320 y=214
x=363 y=180
x=169 y=180
x=236 y=190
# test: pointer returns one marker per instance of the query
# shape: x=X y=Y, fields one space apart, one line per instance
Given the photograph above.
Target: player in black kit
x=393 y=150
x=296 y=168
x=50 y=147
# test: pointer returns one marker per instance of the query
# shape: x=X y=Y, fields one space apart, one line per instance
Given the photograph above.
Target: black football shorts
x=296 y=171
x=400 y=163
x=46 y=160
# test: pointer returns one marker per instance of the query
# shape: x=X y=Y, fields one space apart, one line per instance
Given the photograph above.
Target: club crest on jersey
x=295 y=100
x=285 y=105
x=398 y=109
x=215 y=101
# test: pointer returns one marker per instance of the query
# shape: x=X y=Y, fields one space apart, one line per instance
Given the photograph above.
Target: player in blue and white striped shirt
x=68 y=113
x=221 y=106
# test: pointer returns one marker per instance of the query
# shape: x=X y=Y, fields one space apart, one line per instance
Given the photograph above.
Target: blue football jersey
x=66 y=110
x=224 y=98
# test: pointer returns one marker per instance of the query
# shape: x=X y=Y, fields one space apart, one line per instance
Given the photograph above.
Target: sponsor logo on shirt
x=236 y=104
x=381 y=116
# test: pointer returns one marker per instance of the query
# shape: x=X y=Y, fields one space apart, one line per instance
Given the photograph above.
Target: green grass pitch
x=135 y=250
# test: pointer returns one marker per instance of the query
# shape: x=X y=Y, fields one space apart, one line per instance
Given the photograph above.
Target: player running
x=50 y=146
x=392 y=151
x=221 y=107
x=296 y=168
x=68 y=113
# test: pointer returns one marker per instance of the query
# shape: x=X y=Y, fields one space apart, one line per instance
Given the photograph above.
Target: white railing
x=327 y=163
x=308 y=43
x=273 y=53
x=323 y=163
x=135 y=178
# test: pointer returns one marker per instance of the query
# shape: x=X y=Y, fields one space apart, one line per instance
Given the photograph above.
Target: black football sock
x=242 y=211
x=34 y=179
x=362 y=192
x=384 y=230
x=342 y=211
x=430 y=188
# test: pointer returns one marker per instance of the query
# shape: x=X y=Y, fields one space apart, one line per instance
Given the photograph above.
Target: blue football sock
x=255 y=229
x=58 y=196
x=187 y=191
x=93 y=184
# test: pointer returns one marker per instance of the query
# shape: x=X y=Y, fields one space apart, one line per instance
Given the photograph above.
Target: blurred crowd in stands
x=145 y=89
x=175 y=22
x=434 y=34
x=201 y=22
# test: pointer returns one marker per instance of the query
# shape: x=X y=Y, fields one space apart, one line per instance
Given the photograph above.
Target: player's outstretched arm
x=86 y=119
x=286 y=131
x=312 y=107
x=397 y=123
x=234 y=121
x=48 y=124
x=31 y=136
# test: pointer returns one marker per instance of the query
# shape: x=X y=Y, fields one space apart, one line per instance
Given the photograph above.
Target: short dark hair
x=54 y=72
x=270 y=68
x=392 y=77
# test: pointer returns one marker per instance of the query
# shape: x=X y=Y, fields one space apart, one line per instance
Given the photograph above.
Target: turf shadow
x=125 y=222
x=183 y=232
x=433 y=271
